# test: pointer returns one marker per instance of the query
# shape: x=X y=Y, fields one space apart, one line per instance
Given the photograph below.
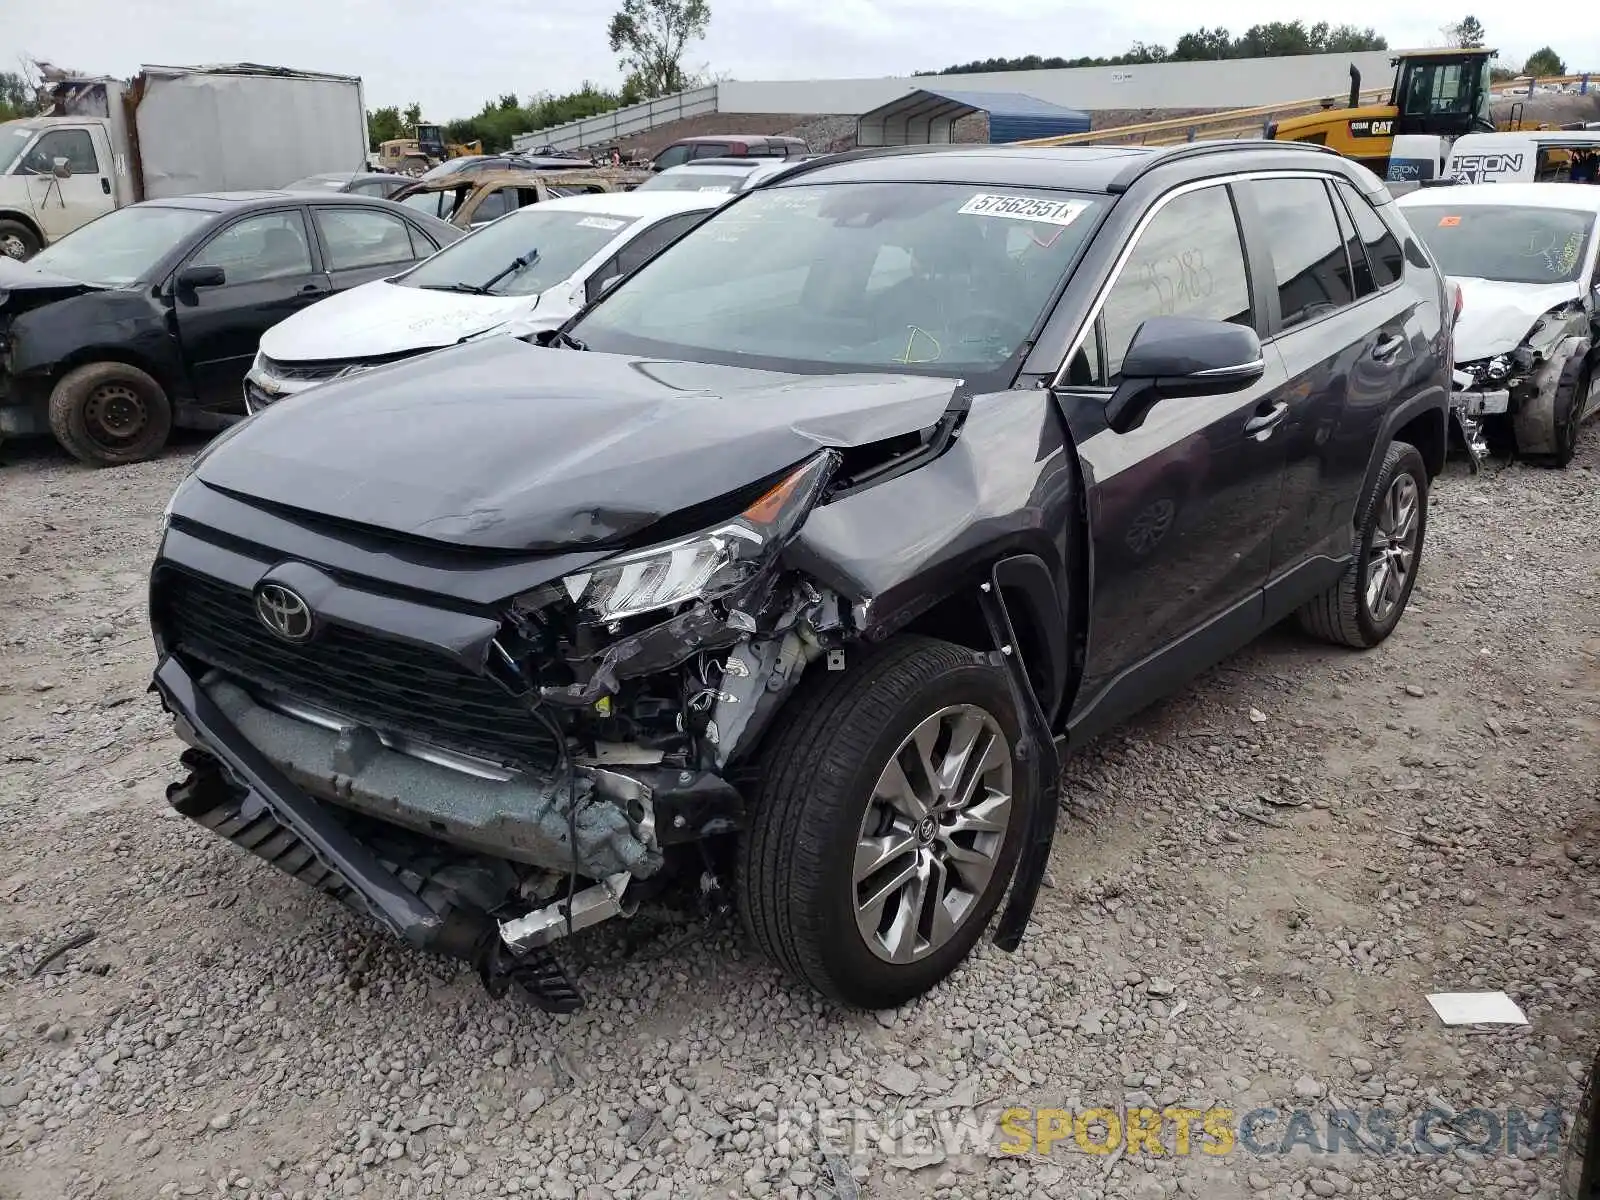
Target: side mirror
x=1182 y=356
x=191 y=278
x=61 y=168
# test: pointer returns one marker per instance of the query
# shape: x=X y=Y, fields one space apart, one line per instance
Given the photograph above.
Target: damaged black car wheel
x=888 y=823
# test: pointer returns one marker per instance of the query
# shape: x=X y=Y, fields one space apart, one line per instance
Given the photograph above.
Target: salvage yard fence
x=622 y=122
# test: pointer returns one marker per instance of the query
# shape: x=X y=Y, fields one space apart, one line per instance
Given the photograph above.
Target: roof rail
x=800 y=166
x=1161 y=155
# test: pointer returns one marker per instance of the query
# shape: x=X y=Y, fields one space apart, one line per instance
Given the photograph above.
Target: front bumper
x=288 y=787
x=348 y=868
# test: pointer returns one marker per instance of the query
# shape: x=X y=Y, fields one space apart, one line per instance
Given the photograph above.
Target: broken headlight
x=706 y=565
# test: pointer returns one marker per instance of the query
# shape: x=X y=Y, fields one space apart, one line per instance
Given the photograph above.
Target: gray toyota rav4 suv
x=781 y=576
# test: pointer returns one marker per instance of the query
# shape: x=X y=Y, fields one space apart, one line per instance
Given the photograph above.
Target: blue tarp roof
x=926 y=115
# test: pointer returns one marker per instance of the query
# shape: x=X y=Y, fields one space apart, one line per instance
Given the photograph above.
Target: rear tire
x=824 y=810
x=1349 y=613
x=109 y=414
x=17 y=241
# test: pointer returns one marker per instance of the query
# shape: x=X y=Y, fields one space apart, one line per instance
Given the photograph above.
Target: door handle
x=1388 y=347
x=312 y=288
x=1262 y=424
x=105 y=185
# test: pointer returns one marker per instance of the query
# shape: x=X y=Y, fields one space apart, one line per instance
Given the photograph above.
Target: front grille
x=256 y=397
x=322 y=370
x=306 y=372
x=386 y=684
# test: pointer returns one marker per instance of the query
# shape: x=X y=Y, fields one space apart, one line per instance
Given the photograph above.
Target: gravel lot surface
x=1256 y=884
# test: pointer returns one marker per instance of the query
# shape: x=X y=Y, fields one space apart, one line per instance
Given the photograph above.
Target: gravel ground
x=1254 y=887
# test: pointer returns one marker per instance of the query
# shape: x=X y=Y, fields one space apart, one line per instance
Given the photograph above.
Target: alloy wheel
x=1393 y=552
x=12 y=247
x=933 y=832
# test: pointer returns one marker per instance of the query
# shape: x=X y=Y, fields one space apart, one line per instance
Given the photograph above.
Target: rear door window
x=1309 y=264
x=1356 y=251
x=362 y=237
x=1384 y=255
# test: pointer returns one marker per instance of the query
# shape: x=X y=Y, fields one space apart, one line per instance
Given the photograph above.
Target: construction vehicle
x=1443 y=93
x=415 y=155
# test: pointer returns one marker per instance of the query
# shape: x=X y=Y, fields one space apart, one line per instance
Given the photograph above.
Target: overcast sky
x=453 y=57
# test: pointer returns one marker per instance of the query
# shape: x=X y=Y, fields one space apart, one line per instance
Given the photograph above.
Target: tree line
x=1271 y=40
x=1274 y=39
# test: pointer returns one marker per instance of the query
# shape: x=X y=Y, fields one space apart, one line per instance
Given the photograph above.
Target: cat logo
x=1372 y=128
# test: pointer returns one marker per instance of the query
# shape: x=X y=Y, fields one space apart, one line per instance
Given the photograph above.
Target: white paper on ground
x=1477 y=1008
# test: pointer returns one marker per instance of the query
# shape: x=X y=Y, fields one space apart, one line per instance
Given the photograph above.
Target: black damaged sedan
x=782 y=575
x=148 y=317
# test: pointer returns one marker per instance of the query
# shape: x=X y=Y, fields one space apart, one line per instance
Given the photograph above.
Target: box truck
x=102 y=143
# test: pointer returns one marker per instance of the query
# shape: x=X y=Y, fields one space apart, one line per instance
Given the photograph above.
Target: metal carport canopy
x=927 y=115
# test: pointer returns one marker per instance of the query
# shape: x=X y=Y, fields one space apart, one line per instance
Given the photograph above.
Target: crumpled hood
x=380 y=318
x=1496 y=316
x=503 y=444
x=24 y=286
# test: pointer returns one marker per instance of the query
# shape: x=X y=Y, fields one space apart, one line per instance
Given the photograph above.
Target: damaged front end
x=487 y=784
x=1520 y=387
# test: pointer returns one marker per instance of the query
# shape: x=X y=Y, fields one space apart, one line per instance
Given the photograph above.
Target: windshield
x=946 y=278
x=12 y=140
x=121 y=246
x=549 y=243
x=691 y=180
x=1505 y=243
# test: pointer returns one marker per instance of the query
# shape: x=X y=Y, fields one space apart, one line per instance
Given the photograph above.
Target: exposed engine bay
x=1521 y=387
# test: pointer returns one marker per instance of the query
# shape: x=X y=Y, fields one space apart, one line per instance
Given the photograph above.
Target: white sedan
x=529 y=270
x=1524 y=256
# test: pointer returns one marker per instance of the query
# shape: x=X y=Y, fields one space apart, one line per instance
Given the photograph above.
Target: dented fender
x=114 y=324
x=1006 y=486
x=1536 y=416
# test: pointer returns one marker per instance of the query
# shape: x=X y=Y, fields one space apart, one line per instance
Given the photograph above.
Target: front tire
x=1556 y=434
x=1365 y=605
x=17 y=241
x=109 y=414
x=888 y=822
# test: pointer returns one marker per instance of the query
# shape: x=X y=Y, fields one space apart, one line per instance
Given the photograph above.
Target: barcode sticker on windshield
x=606 y=223
x=1024 y=208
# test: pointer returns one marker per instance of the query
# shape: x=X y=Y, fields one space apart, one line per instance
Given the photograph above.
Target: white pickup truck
x=167 y=132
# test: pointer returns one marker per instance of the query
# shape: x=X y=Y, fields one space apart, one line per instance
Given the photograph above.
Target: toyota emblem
x=284 y=612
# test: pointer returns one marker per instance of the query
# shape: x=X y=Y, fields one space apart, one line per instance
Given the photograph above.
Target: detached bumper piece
x=1469 y=404
x=235 y=791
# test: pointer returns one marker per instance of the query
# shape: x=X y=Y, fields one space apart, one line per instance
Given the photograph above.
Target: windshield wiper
x=558 y=337
x=471 y=289
x=517 y=264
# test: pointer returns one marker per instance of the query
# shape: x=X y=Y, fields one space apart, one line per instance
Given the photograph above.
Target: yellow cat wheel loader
x=1442 y=92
